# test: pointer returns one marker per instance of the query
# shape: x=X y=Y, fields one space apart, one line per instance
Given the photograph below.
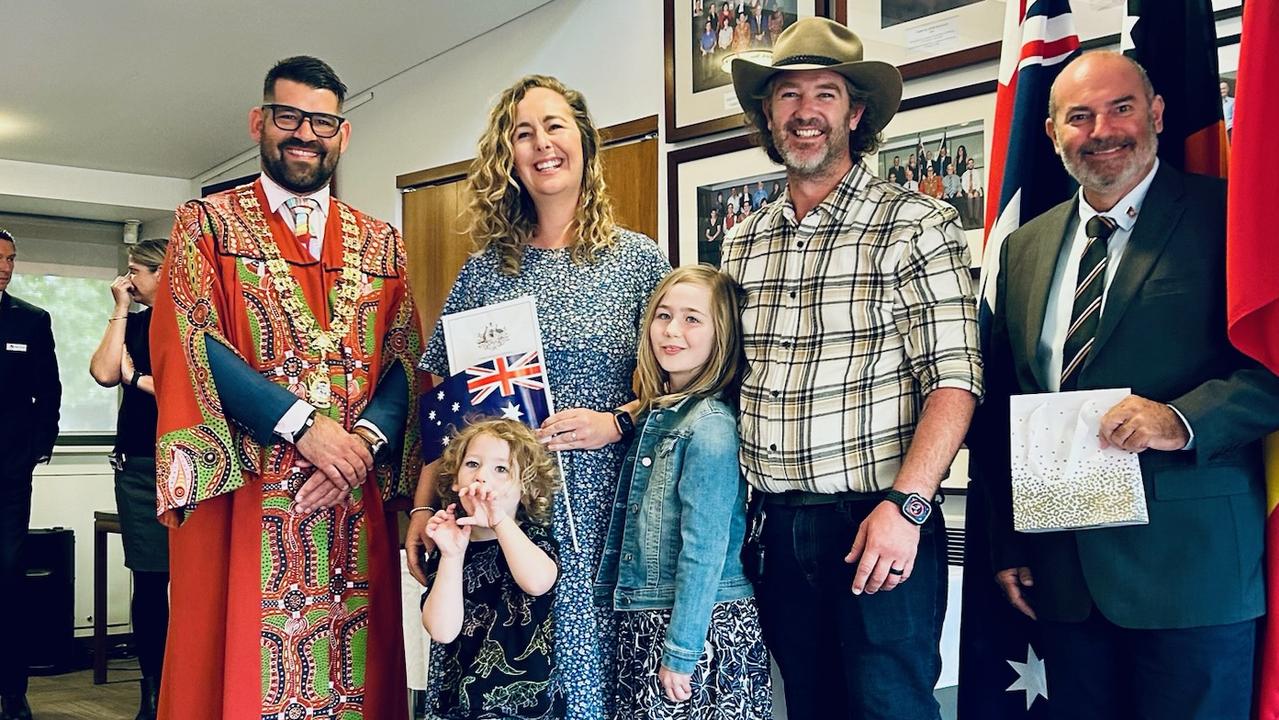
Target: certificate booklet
x=505 y=328
x=1061 y=477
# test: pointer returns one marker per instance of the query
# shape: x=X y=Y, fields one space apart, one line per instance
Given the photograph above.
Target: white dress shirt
x=1052 y=339
x=276 y=196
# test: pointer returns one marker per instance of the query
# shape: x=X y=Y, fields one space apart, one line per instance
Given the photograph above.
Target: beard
x=295 y=177
x=812 y=163
x=1098 y=175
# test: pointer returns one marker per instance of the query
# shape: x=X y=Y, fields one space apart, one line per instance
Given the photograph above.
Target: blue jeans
x=863 y=657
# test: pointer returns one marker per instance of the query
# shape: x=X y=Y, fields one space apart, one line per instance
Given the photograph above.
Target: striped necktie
x=1085 y=314
x=302 y=209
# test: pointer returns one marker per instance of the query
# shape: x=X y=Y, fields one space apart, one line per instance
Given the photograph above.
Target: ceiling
x=162 y=87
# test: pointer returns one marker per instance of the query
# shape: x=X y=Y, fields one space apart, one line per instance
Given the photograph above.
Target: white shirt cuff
x=1190 y=444
x=293 y=419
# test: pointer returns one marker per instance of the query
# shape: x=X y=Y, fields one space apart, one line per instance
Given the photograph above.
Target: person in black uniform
x=30 y=394
x=124 y=358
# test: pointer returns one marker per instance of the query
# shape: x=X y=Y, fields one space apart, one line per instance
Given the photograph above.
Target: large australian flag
x=508 y=386
x=1001 y=671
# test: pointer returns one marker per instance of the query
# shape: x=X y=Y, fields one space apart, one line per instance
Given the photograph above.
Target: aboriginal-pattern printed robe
x=274 y=614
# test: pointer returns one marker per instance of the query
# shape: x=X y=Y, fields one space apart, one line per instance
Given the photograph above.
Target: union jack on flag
x=508 y=386
x=502 y=374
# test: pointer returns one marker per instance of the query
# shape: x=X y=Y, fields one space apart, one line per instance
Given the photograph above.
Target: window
x=78 y=299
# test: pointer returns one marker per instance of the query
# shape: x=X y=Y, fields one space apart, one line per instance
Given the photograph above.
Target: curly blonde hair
x=533 y=465
x=501 y=212
x=721 y=375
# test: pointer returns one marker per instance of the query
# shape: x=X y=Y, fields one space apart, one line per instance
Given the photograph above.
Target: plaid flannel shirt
x=852 y=316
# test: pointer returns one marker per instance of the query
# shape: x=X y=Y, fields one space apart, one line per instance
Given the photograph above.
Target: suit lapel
x=1160 y=213
x=1039 y=273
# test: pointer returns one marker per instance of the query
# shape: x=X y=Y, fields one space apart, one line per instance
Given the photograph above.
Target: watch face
x=916 y=508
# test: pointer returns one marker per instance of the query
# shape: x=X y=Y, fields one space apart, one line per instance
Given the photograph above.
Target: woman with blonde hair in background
x=123 y=358
x=543 y=225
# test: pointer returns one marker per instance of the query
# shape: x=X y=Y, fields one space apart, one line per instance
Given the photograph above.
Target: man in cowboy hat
x=860 y=328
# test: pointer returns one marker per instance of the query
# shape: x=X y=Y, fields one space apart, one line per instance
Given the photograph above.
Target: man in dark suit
x=29 y=404
x=1156 y=620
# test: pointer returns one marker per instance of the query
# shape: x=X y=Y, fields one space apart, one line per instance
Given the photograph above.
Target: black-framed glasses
x=289 y=119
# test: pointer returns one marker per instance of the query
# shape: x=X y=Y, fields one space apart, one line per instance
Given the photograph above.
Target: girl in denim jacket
x=690 y=644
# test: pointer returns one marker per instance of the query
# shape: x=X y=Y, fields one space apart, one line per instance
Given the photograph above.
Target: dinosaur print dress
x=500 y=665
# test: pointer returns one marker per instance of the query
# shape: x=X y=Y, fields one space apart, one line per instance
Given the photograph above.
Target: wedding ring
x=572 y=436
x=895 y=571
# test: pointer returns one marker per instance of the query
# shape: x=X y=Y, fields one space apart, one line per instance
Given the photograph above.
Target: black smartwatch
x=914 y=507
x=625 y=424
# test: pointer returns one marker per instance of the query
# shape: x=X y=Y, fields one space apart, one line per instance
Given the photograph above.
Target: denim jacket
x=678 y=521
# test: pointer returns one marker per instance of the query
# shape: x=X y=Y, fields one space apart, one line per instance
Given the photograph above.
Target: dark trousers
x=150 y=619
x=15 y=515
x=1100 y=671
x=866 y=657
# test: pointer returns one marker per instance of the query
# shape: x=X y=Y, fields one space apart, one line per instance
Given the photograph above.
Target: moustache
x=1105 y=145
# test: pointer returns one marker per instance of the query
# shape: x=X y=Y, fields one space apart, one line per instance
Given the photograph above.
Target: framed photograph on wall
x=922 y=37
x=928 y=141
x=712 y=187
x=702 y=38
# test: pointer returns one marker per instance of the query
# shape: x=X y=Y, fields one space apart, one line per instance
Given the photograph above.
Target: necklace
x=346 y=290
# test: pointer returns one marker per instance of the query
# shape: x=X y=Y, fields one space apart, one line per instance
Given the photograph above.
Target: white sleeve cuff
x=1190 y=444
x=293 y=419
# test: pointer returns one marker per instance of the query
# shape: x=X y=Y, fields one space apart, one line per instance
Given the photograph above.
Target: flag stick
x=568 y=503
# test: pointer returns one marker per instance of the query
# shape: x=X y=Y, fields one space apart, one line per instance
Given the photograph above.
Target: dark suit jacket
x=30 y=392
x=1162 y=333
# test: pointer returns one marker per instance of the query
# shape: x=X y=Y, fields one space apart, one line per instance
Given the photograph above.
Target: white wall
x=610 y=50
x=65 y=494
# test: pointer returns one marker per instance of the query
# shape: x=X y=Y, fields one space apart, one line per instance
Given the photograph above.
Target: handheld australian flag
x=508 y=386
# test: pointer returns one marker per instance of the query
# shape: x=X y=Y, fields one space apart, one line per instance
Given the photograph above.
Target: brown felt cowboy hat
x=822 y=44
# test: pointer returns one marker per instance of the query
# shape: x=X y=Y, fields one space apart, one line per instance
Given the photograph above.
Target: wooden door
x=434 y=200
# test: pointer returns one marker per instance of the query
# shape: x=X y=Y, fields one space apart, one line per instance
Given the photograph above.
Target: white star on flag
x=456 y=406
x=439 y=395
x=444 y=440
x=1031 y=677
x=430 y=415
x=511 y=412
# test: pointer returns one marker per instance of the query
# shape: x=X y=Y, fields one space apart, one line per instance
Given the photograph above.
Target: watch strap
x=306 y=426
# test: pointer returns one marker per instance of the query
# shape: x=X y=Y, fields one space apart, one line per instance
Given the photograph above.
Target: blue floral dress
x=589 y=316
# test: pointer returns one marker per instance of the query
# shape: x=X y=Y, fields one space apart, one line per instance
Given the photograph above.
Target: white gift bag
x=1061 y=477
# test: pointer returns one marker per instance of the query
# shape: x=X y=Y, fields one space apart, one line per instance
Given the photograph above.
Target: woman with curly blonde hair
x=543 y=226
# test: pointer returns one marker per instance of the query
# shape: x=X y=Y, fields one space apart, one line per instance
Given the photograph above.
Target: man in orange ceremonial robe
x=284 y=342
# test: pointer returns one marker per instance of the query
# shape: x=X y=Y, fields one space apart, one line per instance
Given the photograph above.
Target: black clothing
x=135 y=425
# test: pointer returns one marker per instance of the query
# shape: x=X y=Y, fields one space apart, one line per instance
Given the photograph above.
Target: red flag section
x=1252 y=277
x=1252 y=294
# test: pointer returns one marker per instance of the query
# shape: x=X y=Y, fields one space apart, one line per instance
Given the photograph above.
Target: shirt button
x=634 y=507
x=627 y=557
x=793 y=294
x=775 y=393
x=799 y=243
x=786 y=344
x=773 y=447
x=646 y=461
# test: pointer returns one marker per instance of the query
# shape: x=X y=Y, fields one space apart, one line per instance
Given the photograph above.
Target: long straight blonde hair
x=722 y=372
x=502 y=213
